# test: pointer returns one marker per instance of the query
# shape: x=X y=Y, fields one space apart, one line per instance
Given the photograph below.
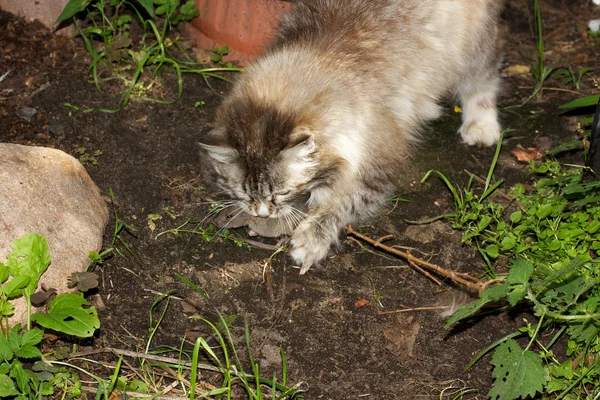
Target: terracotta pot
x=245 y=26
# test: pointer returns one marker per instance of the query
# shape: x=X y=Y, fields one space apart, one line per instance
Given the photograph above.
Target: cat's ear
x=215 y=146
x=302 y=143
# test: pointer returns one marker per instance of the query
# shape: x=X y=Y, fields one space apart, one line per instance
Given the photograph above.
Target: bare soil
x=328 y=322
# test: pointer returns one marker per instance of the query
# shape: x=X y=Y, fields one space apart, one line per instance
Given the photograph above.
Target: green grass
x=106 y=34
x=541 y=71
x=549 y=235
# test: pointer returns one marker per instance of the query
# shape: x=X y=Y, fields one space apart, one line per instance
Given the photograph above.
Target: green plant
x=540 y=71
x=225 y=356
x=209 y=234
x=218 y=53
x=75 y=108
x=68 y=314
x=86 y=158
x=550 y=238
x=568 y=76
x=108 y=39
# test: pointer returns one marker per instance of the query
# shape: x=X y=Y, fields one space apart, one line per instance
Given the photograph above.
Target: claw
x=304 y=269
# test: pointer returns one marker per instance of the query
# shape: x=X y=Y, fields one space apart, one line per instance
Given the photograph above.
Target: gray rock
x=48 y=192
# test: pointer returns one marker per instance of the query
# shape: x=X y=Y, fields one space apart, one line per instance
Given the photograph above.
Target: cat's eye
x=283 y=193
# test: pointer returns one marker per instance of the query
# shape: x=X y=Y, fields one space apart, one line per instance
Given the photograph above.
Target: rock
x=48 y=192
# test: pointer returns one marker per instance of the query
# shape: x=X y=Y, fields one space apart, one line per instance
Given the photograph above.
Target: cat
x=333 y=108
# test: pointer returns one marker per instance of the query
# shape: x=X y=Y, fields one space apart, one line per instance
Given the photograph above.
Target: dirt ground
x=342 y=349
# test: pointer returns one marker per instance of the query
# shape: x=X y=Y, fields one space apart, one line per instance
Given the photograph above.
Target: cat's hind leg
x=477 y=94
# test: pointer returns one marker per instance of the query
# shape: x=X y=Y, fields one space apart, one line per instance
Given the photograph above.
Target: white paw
x=308 y=248
x=486 y=133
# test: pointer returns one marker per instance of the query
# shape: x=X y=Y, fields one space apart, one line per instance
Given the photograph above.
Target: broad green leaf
x=13 y=337
x=3 y=273
x=554 y=385
x=6 y=353
x=71 y=314
x=492 y=250
x=517 y=293
x=7 y=387
x=6 y=308
x=516 y=216
x=520 y=272
x=28 y=351
x=517 y=373
x=20 y=376
x=508 y=243
x=148 y=6
x=30 y=257
x=71 y=9
x=583 y=102
x=15 y=286
x=123 y=19
x=493 y=293
x=138 y=386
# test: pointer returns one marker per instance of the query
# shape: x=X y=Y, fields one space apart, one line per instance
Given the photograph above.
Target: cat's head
x=262 y=159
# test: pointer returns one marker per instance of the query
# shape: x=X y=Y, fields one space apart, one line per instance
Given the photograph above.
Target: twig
x=137 y=395
x=448 y=274
x=258 y=244
x=413 y=309
x=551 y=89
x=358 y=242
x=427 y=274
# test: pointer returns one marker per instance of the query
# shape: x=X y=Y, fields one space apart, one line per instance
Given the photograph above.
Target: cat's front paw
x=486 y=133
x=308 y=246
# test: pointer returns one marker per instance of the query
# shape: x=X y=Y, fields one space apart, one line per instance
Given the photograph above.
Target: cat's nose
x=263 y=210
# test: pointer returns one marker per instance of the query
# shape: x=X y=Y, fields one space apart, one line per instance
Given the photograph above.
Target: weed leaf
x=493 y=293
x=67 y=313
x=20 y=376
x=7 y=387
x=583 y=102
x=3 y=273
x=148 y=6
x=15 y=286
x=520 y=272
x=517 y=373
x=32 y=337
x=6 y=353
x=71 y=9
x=30 y=257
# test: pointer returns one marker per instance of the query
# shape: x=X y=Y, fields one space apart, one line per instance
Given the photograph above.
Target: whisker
x=222 y=229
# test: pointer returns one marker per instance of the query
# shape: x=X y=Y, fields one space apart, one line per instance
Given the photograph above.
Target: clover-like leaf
x=83 y=280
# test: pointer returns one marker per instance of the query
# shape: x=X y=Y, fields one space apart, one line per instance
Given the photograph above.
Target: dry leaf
x=361 y=303
x=401 y=336
x=532 y=153
x=517 y=69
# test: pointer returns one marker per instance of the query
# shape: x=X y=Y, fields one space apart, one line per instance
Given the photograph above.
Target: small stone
x=27 y=113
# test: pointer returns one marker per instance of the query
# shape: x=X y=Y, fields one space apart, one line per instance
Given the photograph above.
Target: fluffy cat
x=331 y=110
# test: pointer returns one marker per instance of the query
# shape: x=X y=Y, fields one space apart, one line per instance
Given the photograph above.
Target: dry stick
x=551 y=89
x=427 y=274
x=448 y=274
x=412 y=309
x=257 y=244
x=137 y=395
